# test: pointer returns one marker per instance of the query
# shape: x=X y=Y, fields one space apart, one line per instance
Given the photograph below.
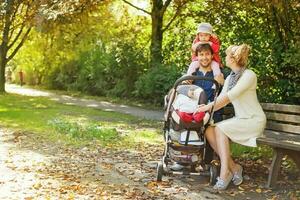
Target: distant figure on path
x=21 y=76
x=8 y=75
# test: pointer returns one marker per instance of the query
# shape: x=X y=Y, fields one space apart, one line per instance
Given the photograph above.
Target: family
x=239 y=88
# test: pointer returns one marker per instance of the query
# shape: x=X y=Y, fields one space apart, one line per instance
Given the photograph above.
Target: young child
x=186 y=103
x=205 y=35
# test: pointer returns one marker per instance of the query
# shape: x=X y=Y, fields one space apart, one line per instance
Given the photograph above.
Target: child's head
x=204 y=32
x=194 y=93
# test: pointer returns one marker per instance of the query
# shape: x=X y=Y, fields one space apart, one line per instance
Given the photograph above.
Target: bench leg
x=295 y=156
x=275 y=167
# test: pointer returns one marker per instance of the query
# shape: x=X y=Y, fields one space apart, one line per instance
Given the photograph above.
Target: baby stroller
x=185 y=143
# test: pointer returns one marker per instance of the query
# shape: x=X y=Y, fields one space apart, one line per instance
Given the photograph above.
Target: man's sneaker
x=176 y=167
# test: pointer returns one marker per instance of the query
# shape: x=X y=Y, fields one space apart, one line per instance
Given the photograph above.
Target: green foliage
x=111 y=58
x=270 y=31
x=90 y=72
x=177 y=49
x=62 y=77
x=241 y=151
x=130 y=64
x=156 y=82
x=80 y=131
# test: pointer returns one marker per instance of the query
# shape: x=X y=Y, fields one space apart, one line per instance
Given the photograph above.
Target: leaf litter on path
x=50 y=170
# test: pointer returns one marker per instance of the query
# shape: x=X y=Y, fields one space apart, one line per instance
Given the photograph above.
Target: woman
x=249 y=121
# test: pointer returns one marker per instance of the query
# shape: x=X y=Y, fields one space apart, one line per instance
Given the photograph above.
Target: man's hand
x=187 y=82
x=220 y=79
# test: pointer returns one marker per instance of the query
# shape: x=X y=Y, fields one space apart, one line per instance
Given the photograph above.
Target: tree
x=272 y=29
x=15 y=27
x=157 y=13
x=18 y=17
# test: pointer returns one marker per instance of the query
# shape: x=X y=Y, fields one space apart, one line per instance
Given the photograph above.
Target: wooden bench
x=282 y=133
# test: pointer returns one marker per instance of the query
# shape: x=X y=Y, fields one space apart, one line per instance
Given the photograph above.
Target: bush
x=130 y=62
x=155 y=83
x=63 y=76
x=94 y=76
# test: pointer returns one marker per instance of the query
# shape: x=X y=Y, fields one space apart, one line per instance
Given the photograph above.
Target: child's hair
x=239 y=54
x=204 y=47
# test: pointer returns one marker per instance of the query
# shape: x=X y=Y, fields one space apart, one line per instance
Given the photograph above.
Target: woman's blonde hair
x=239 y=54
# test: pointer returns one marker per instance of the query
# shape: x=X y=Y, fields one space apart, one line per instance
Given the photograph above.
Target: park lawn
x=75 y=125
x=79 y=126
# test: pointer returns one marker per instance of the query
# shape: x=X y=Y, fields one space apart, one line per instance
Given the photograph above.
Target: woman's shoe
x=223 y=184
x=238 y=176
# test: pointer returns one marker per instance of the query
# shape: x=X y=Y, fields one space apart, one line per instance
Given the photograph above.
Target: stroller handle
x=185 y=78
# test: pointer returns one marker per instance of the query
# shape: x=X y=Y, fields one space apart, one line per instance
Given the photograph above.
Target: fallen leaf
x=240 y=188
x=258 y=190
x=37 y=186
x=152 y=184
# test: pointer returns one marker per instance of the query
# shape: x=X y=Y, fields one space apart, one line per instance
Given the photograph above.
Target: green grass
x=74 y=125
x=252 y=153
x=78 y=125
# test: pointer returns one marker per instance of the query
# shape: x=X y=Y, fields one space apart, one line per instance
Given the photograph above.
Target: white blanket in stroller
x=188 y=98
x=186 y=104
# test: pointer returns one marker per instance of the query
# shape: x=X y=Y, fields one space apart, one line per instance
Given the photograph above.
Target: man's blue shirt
x=207 y=87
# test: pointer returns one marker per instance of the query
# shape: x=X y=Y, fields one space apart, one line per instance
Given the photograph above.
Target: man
x=205 y=57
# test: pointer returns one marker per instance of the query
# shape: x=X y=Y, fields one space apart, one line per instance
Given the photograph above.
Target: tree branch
x=171 y=21
x=179 y=8
x=165 y=6
x=17 y=37
x=12 y=18
x=145 y=11
x=19 y=45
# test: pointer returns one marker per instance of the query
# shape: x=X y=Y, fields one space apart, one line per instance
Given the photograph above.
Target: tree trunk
x=2 y=69
x=158 y=10
x=157 y=33
x=4 y=44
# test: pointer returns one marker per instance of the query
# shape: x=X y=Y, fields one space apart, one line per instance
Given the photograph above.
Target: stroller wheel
x=165 y=160
x=160 y=171
x=213 y=171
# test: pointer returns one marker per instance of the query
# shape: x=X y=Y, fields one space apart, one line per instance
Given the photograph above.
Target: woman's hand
x=202 y=108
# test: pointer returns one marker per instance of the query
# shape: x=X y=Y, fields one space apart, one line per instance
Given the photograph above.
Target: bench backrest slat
x=281 y=108
x=283 y=117
x=283 y=127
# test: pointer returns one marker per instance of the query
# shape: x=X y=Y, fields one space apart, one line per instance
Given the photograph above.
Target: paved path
x=103 y=105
